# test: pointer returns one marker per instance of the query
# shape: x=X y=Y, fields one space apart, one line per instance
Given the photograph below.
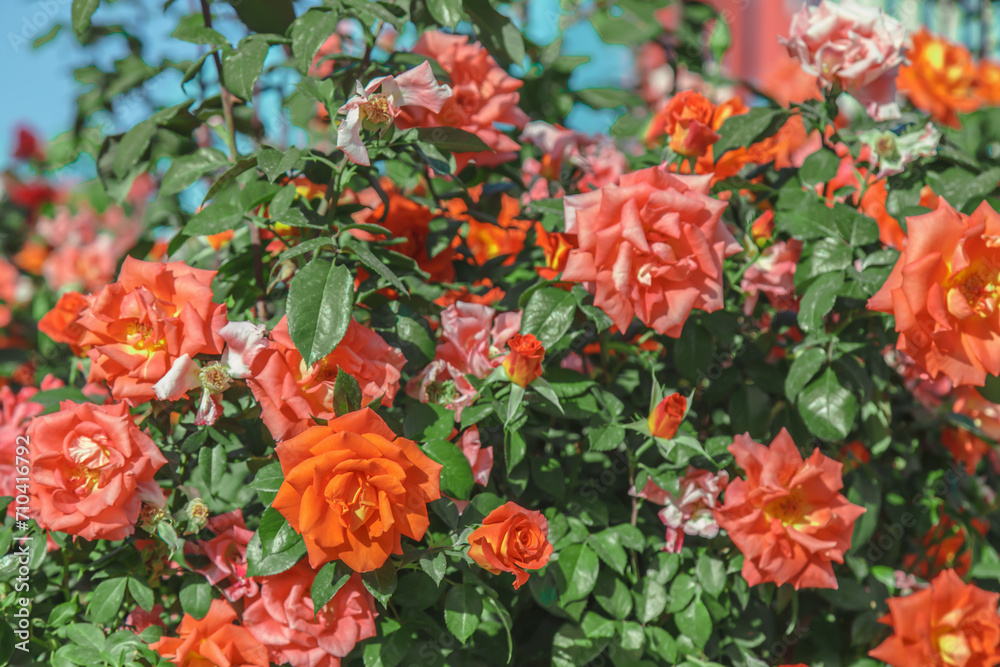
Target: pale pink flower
x=441 y=383
x=772 y=274
x=480 y=458
x=691 y=512
x=859 y=47
x=475 y=337
x=227 y=553
x=416 y=87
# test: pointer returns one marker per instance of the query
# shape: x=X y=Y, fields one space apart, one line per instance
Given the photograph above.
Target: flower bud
x=197 y=514
x=666 y=417
x=524 y=363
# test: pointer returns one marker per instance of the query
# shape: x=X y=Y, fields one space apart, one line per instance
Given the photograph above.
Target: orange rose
x=942 y=292
x=788 y=517
x=651 y=246
x=948 y=623
x=556 y=247
x=944 y=546
x=524 y=363
x=213 y=640
x=511 y=539
x=988 y=82
x=691 y=121
x=353 y=488
x=137 y=327
x=61 y=324
x=291 y=394
x=91 y=469
x=940 y=78
x=666 y=417
x=487 y=240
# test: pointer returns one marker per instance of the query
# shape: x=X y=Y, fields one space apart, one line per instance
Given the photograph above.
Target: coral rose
x=524 y=363
x=484 y=95
x=948 y=623
x=788 y=517
x=227 y=555
x=858 y=47
x=61 y=324
x=213 y=640
x=91 y=469
x=137 y=327
x=650 y=247
x=291 y=394
x=511 y=539
x=667 y=416
x=940 y=78
x=285 y=619
x=942 y=292
x=353 y=488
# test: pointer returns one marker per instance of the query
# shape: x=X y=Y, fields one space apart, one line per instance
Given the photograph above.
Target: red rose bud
x=28 y=146
x=666 y=417
x=524 y=363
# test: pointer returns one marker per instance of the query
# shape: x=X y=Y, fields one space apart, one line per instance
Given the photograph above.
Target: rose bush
x=409 y=370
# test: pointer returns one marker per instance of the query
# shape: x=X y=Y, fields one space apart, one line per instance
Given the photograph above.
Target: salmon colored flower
x=136 y=328
x=787 y=517
x=524 y=363
x=860 y=48
x=227 y=555
x=948 y=623
x=353 y=488
x=773 y=276
x=213 y=640
x=650 y=247
x=511 y=539
x=291 y=394
x=409 y=220
x=480 y=458
x=61 y=324
x=16 y=411
x=473 y=337
x=667 y=416
x=940 y=78
x=284 y=618
x=484 y=97
x=91 y=470
x=942 y=293
x=415 y=87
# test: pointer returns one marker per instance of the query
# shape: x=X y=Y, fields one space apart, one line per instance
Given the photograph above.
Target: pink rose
x=91 y=470
x=772 y=274
x=227 y=555
x=473 y=339
x=650 y=247
x=484 y=95
x=691 y=511
x=480 y=458
x=440 y=382
x=861 y=48
x=283 y=619
x=16 y=411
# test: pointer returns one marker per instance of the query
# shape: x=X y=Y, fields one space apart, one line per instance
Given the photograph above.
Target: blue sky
x=43 y=88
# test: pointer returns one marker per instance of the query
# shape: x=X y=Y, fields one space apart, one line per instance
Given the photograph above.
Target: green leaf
x=605 y=438
x=695 y=622
x=86 y=634
x=857 y=228
x=613 y=595
x=435 y=566
x=452 y=139
x=693 y=351
x=320 y=303
x=196 y=597
x=549 y=315
x=428 y=421
x=571 y=647
x=187 y=169
x=241 y=69
x=191 y=28
x=381 y=582
x=712 y=574
x=368 y=258
x=267 y=482
x=749 y=128
x=132 y=146
x=652 y=601
x=82 y=13
x=609 y=549
x=804 y=367
x=347 y=395
x=456 y=475
x=240 y=166
x=497 y=609
x=497 y=33
x=682 y=591
x=213 y=219
x=308 y=33
x=819 y=167
x=576 y=571
x=275 y=547
x=608 y=98
x=274 y=163
x=330 y=579
x=446 y=12
x=141 y=593
x=818 y=300
x=960 y=186
x=212 y=465
x=106 y=600
x=462 y=608
x=827 y=408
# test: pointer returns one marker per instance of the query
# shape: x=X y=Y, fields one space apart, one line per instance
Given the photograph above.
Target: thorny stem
x=227 y=99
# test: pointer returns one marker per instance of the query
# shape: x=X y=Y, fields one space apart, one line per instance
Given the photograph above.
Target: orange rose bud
x=353 y=488
x=666 y=417
x=511 y=539
x=524 y=363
